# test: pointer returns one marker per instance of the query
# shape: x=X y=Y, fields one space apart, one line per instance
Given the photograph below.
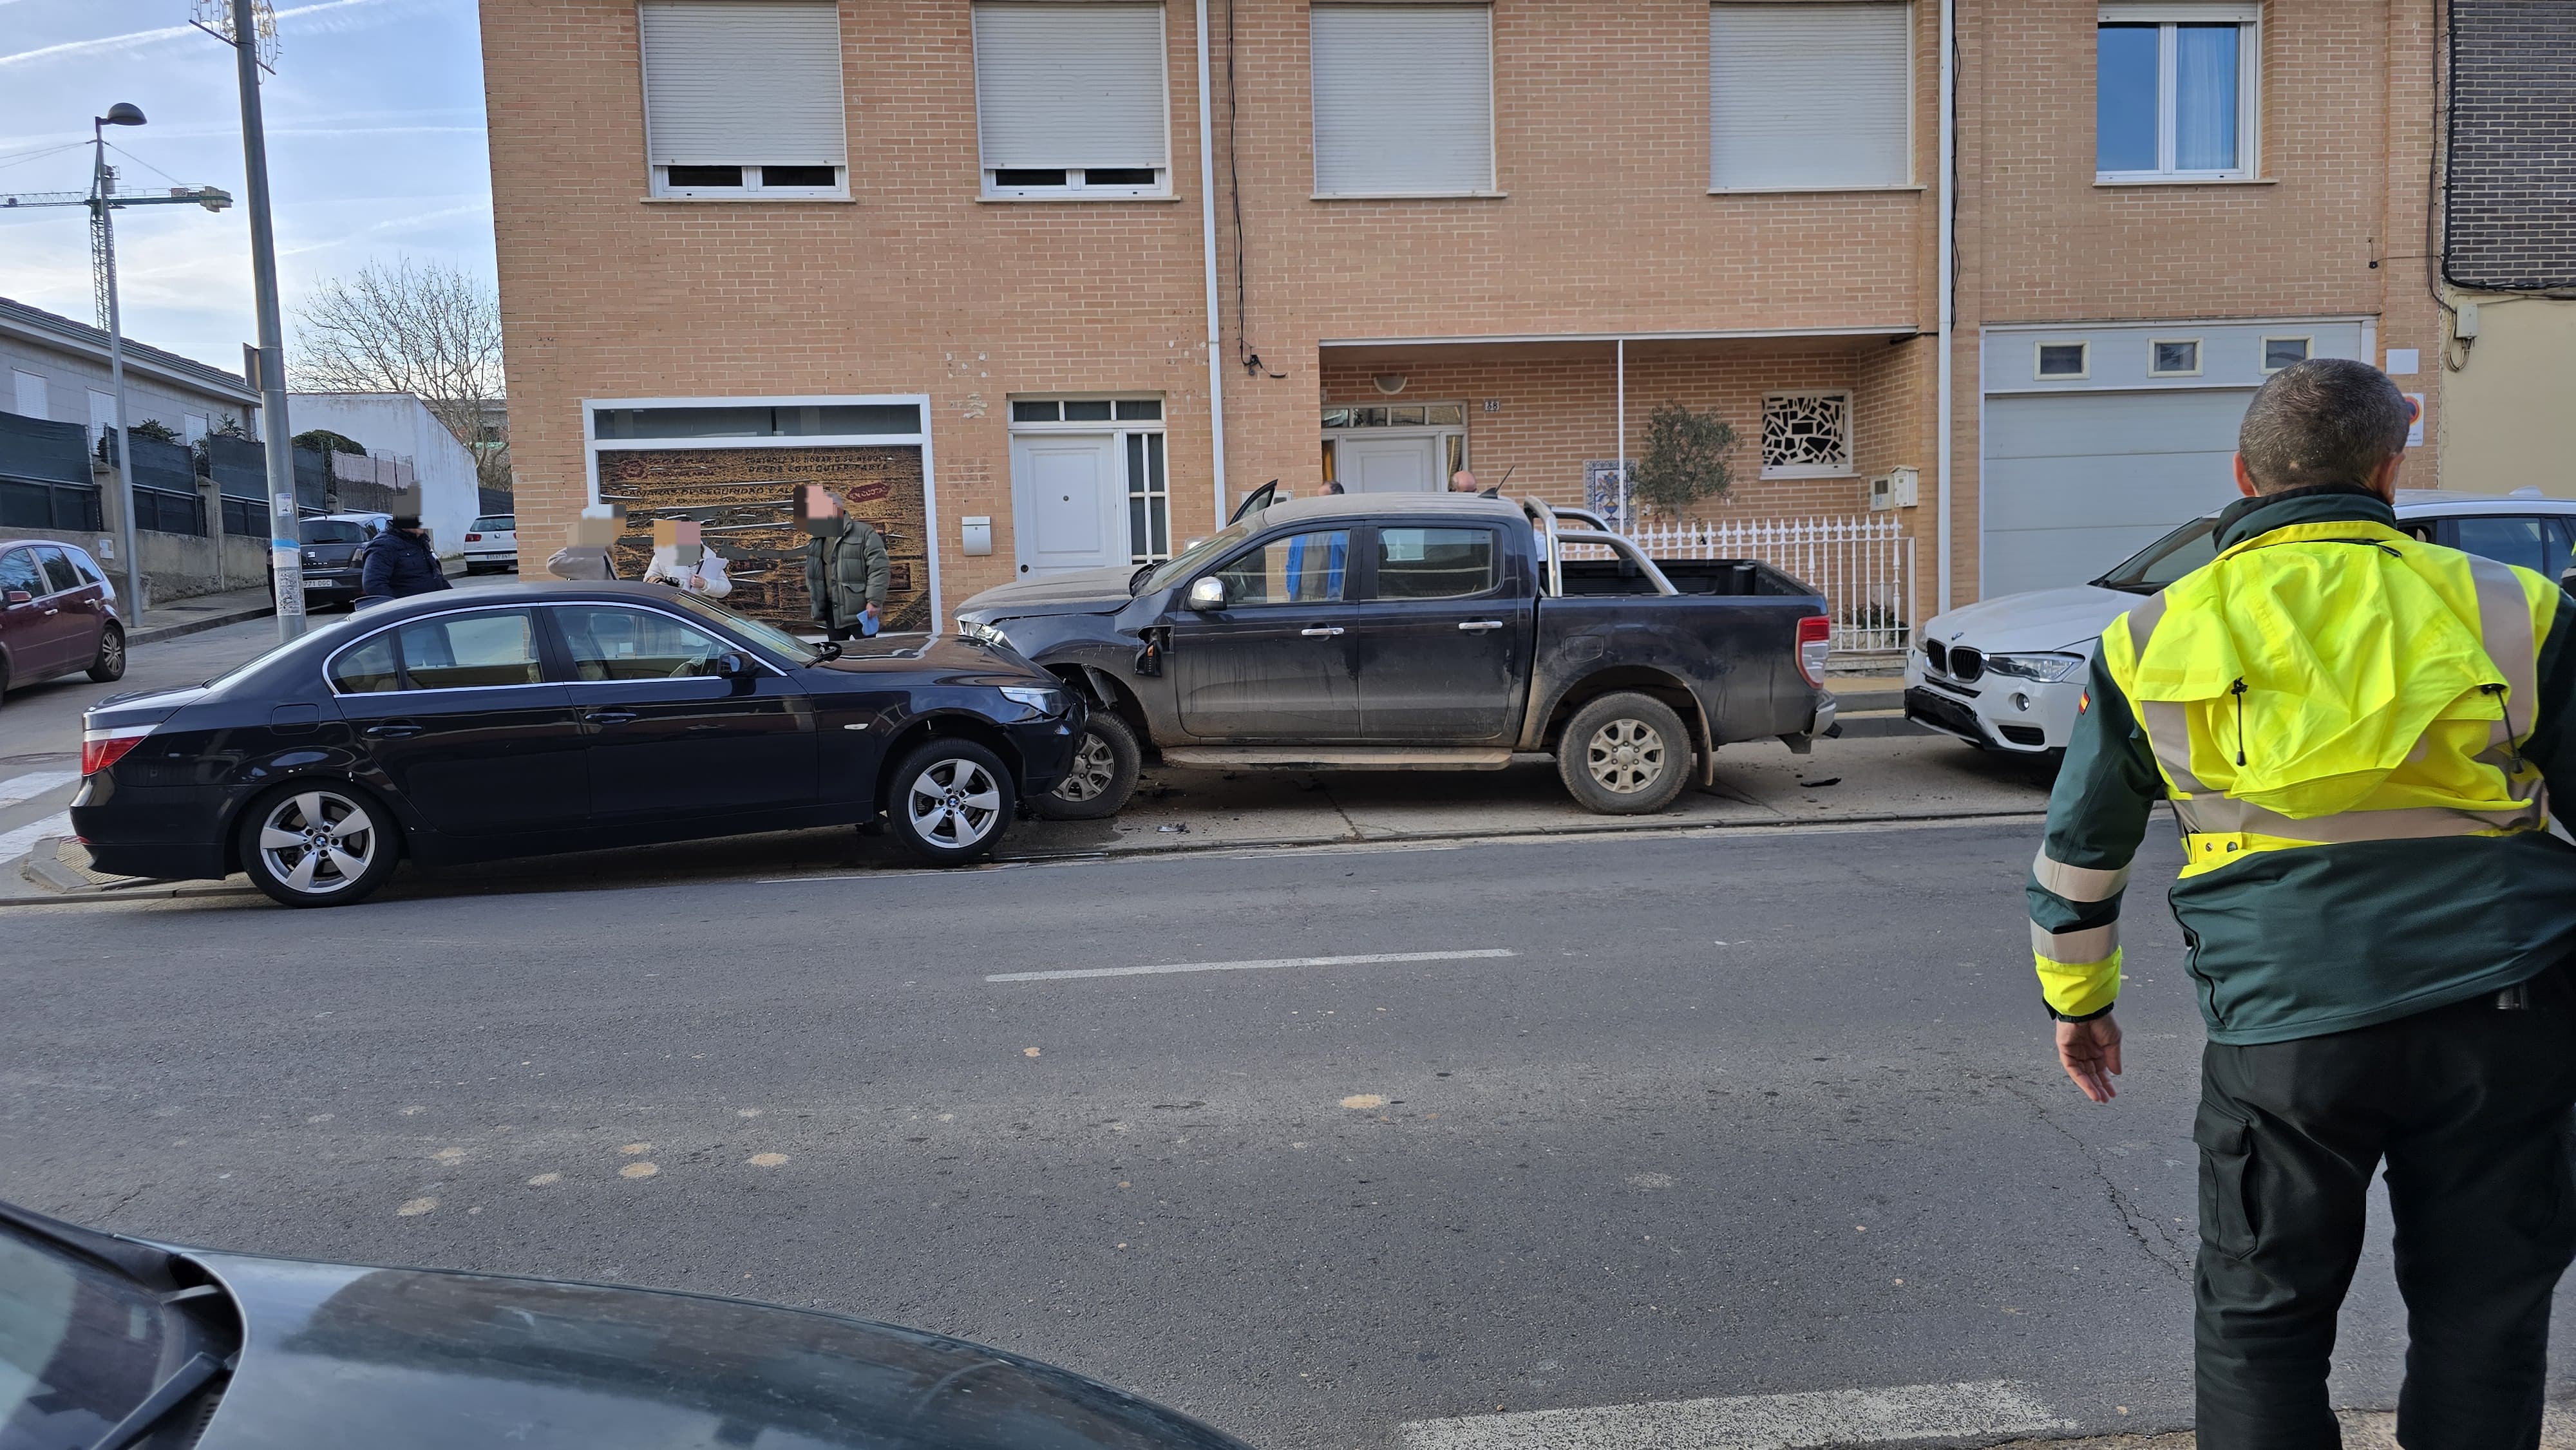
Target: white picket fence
x=1864 y=566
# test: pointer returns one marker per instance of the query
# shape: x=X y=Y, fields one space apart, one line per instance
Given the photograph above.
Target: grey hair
x=2325 y=420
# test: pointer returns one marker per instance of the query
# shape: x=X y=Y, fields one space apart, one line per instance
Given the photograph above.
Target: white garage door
x=2076 y=482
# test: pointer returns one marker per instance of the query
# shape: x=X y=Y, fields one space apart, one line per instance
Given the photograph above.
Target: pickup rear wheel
x=1106 y=762
x=1624 y=755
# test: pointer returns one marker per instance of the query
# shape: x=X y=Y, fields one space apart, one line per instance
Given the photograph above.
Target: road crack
x=2151 y=1235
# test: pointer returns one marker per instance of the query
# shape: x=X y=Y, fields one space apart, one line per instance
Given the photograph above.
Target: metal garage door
x=2076 y=482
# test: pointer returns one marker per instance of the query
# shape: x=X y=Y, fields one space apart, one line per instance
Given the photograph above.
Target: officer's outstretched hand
x=2090 y=1052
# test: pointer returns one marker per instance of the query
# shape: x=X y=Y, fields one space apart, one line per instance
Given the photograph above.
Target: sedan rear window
x=369 y=669
x=470 y=651
x=495 y=524
x=331 y=531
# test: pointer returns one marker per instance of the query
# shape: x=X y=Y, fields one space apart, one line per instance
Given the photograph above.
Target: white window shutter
x=1404 y=99
x=1064 y=86
x=743 y=83
x=1814 y=93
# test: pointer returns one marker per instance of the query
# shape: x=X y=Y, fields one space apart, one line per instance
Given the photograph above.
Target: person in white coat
x=706 y=579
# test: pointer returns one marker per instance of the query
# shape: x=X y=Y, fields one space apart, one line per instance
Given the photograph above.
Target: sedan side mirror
x=2567 y=581
x=1207 y=593
x=733 y=665
x=21 y=596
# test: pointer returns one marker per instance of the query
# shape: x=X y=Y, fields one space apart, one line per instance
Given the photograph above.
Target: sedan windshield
x=2165 y=560
x=79 y=1344
x=767 y=636
x=1189 y=559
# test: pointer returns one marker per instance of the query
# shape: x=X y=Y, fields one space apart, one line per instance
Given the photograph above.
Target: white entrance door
x=1388 y=465
x=1069 y=502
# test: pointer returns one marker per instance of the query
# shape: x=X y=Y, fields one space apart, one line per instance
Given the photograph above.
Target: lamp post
x=285 y=559
x=102 y=183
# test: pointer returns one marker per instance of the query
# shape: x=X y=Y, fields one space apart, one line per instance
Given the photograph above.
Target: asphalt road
x=1758 y=1114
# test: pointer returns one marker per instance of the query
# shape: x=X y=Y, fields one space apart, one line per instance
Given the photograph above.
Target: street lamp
x=102 y=186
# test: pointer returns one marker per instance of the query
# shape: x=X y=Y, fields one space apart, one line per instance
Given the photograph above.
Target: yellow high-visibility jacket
x=2357 y=731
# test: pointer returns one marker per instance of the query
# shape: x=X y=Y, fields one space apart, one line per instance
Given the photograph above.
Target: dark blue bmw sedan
x=551 y=717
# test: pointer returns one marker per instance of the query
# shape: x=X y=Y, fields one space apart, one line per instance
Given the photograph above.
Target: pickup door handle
x=612 y=717
x=393 y=730
x=1479 y=626
x=1326 y=631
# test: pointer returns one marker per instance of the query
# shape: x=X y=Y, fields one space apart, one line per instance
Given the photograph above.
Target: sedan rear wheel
x=951 y=801
x=312 y=844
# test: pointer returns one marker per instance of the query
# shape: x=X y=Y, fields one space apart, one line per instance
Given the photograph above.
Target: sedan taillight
x=1815 y=641
x=473 y=538
x=103 y=748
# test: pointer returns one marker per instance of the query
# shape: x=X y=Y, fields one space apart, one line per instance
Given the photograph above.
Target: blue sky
x=375 y=147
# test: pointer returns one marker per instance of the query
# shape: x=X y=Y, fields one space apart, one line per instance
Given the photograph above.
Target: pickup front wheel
x=1105 y=764
x=1624 y=755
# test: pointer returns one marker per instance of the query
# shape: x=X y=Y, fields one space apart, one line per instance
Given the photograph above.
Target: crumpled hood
x=406 y=1359
x=1085 y=591
x=2047 y=619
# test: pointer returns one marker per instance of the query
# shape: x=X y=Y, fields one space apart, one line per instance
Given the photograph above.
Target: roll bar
x=1545 y=515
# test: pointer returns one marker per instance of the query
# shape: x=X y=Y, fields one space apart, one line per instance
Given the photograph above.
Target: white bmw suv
x=2008 y=673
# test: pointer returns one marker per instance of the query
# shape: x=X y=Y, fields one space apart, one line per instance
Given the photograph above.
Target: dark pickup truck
x=1421 y=632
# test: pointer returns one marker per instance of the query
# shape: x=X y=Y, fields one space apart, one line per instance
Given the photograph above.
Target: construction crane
x=101 y=264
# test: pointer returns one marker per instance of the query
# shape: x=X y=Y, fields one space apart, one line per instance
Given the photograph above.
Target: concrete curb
x=45 y=870
x=157 y=633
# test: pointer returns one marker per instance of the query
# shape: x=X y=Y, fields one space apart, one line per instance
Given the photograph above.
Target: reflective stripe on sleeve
x=2075 y=948
x=2504 y=632
x=2078 y=884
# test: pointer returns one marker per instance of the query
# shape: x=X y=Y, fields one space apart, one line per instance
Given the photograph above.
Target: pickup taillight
x=1815 y=640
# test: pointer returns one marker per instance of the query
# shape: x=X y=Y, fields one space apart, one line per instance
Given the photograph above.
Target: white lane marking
x=27 y=787
x=19 y=842
x=1362 y=960
x=1753 y=1422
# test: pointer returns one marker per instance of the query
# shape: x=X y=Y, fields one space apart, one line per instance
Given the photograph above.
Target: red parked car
x=57 y=615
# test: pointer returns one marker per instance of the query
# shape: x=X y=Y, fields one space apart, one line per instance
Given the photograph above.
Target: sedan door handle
x=393 y=730
x=612 y=717
x=1479 y=626
x=1322 y=632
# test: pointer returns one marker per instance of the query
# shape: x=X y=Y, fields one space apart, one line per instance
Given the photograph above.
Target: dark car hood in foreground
x=407 y=1359
x=1085 y=591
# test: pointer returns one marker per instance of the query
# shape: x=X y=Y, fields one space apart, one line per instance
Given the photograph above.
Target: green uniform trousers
x=2469 y=1106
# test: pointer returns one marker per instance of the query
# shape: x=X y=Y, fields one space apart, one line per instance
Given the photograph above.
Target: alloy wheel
x=111 y=654
x=1625 y=756
x=954 y=803
x=317 y=842
x=1095 y=769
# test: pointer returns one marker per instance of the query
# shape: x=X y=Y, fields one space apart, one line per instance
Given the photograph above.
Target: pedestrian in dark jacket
x=398 y=564
x=846 y=574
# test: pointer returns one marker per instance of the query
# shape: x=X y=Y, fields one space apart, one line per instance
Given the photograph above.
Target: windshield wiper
x=166 y=1396
x=1136 y=581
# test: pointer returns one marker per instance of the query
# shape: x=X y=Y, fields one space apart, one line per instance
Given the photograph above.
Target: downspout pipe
x=1949 y=272
x=1207 y=241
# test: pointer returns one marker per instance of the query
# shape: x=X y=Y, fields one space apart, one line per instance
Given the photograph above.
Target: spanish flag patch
x=2084 y=702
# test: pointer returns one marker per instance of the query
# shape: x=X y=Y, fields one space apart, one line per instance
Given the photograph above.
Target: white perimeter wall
x=397 y=423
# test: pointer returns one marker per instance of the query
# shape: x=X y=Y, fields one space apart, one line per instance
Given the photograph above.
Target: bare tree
x=422 y=328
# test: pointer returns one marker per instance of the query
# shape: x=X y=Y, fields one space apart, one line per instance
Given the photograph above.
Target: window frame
x=2248 y=20
x=1845 y=469
x=2039 y=351
x=1321 y=528
x=2199 y=357
x=1159 y=189
x=1493 y=183
x=2264 y=362
x=559 y=640
x=1497 y=572
x=658 y=184
x=1912 y=181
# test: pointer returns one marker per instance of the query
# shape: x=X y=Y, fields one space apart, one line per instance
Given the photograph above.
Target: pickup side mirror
x=1206 y=593
x=2567 y=581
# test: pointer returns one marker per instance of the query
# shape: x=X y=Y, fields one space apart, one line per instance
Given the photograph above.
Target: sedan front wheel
x=951 y=801
x=316 y=844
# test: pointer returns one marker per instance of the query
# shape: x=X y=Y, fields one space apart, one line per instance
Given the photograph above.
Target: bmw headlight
x=2048 y=669
x=983 y=633
x=1044 y=701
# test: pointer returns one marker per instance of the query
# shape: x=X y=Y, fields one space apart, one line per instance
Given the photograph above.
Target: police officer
x=2357 y=731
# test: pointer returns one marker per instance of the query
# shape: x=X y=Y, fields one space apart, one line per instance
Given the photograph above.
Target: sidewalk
x=1884 y=780
x=203 y=612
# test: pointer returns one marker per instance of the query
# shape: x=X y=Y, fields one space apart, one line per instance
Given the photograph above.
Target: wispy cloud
x=137 y=38
x=391 y=224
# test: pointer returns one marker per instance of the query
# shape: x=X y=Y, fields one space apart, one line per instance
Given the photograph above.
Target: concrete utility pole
x=285 y=551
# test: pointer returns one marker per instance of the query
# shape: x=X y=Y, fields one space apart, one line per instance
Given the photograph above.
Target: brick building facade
x=1444 y=233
